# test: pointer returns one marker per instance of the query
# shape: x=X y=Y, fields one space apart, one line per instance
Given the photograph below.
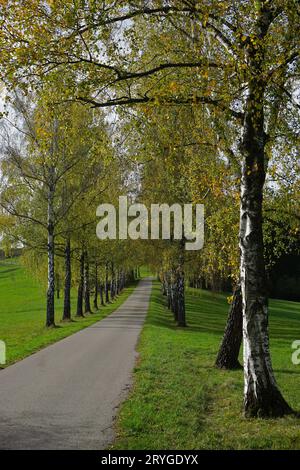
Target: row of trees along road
x=54 y=172
x=238 y=61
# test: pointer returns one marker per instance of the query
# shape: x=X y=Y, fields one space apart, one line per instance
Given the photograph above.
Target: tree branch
x=126 y=100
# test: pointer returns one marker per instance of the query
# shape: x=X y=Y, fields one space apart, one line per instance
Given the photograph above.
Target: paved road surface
x=65 y=396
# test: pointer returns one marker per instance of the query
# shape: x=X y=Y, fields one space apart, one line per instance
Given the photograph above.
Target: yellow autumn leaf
x=173 y=86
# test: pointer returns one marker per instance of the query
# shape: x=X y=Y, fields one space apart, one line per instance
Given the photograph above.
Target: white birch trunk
x=261 y=394
x=51 y=263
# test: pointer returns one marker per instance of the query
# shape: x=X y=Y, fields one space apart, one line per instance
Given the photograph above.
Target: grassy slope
x=22 y=313
x=180 y=401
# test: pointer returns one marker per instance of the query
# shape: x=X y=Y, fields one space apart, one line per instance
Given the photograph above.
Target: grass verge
x=22 y=313
x=181 y=401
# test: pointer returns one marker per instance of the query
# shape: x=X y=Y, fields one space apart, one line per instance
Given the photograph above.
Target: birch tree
x=244 y=60
x=60 y=151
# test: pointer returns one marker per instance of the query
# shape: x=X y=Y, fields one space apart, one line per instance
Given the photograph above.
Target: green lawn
x=180 y=401
x=22 y=313
x=145 y=271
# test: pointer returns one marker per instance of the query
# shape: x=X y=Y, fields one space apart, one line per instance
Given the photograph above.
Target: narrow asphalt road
x=66 y=395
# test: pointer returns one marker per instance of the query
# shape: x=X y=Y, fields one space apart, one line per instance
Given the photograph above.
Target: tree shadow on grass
x=6 y=273
x=201 y=315
x=53 y=327
x=287 y=371
x=207 y=313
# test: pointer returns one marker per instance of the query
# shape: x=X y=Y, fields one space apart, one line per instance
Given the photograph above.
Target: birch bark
x=87 y=303
x=106 y=284
x=228 y=355
x=79 y=312
x=96 y=287
x=51 y=258
x=261 y=394
x=67 y=287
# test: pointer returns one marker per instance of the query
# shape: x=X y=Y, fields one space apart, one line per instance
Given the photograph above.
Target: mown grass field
x=180 y=401
x=22 y=313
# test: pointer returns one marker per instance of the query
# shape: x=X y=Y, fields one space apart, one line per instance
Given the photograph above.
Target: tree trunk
x=51 y=261
x=181 y=321
x=106 y=284
x=180 y=285
x=169 y=290
x=68 y=278
x=117 y=283
x=228 y=355
x=164 y=284
x=112 y=282
x=174 y=297
x=57 y=286
x=261 y=394
x=112 y=292
x=101 y=288
x=96 y=287
x=169 y=298
x=87 y=292
x=79 y=312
